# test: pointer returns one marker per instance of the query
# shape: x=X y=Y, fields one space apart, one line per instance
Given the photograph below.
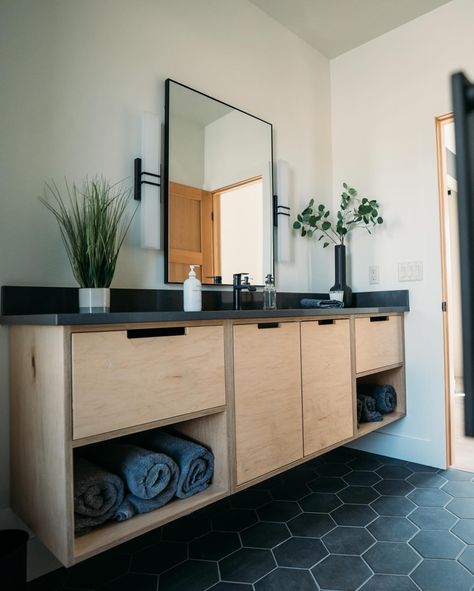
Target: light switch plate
x=410 y=271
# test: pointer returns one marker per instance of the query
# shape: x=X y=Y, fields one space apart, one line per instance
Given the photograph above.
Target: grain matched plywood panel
x=267 y=376
x=327 y=384
x=120 y=382
x=378 y=342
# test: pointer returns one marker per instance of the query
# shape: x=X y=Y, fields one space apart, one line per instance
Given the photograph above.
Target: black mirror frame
x=165 y=184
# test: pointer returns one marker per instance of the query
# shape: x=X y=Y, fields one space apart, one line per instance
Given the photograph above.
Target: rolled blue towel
x=196 y=463
x=313 y=303
x=384 y=395
x=369 y=413
x=97 y=495
x=132 y=504
x=146 y=473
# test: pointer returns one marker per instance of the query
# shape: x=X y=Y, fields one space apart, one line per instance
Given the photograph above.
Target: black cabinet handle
x=327 y=321
x=148 y=333
x=268 y=325
x=379 y=318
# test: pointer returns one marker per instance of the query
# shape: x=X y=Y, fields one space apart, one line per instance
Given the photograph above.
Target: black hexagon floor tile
x=364 y=463
x=264 y=535
x=437 y=544
x=333 y=470
x=286 y=579
x=361 y=478
x=285 y=492
x=234 y=519
x=251 y=498
x=389 y=583
x=420 y=467
x=426 y=480
x=395 y=506
x=429 y=497
x=348 y=540
x=327 y=484
x=158 y=558
x=459 y=488
x=300 y=552
x=453 y=474
x=100 y=569
x=311 y=525
x=320 y=503
x=341 y=573
x=440 y=575
x=391 y=558
x=192 y=575
x=229 y=587
x=214 y=545
x=279 y=511
x=354 y=515
x=247 y=565
x=462 y=507
x=467 y=558
x=392 y=529
x=432 y=518
x=394 y=488
x=464 y=529
x=394 y=472
x=186 y=528
x=357 y=495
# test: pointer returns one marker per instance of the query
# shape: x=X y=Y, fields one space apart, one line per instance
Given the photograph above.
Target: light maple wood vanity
x=263 y=393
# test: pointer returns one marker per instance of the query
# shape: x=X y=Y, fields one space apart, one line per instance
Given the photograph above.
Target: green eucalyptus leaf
x=312 y=221
x=296 y=225
x=325 y=244
x=311 y=202
x=309 y=233
x=327 y=213
x=352 y=192
x=344 y=185
x=299 y=217
x=303 y=232
x=326 y=225
x=380 y=220
x=321 y=207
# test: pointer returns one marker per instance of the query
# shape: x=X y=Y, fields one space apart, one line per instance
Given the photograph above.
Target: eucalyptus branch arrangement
x=93 y=226
x=353 y=213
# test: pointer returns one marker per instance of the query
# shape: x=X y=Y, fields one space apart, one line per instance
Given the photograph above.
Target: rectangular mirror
x=218 y=189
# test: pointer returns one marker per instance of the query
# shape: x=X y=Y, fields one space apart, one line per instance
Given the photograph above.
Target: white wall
x=385 y=96
x=75 y=78
x=186 y=154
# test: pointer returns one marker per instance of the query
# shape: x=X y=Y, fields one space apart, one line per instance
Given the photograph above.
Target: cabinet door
x=327 y=383
x=267 y=398
x=121 y=379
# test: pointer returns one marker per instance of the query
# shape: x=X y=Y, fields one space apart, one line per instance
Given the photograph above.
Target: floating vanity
x=264 y=391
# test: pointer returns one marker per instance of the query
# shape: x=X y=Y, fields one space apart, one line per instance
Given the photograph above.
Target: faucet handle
x=237 y=278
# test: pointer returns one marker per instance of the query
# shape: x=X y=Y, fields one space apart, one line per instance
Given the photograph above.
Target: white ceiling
x=336 y=26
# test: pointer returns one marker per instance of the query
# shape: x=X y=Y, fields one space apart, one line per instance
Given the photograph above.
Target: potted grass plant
x=93 y=223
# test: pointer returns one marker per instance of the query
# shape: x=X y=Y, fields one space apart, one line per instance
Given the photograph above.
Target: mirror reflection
x=219 y=189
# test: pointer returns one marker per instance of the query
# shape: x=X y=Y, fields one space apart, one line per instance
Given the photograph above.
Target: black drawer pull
x=147 y=333
x=379 y=318
x=327 y=321
x=268 y=325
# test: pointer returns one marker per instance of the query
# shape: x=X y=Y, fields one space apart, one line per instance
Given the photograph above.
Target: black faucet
x=240 y=282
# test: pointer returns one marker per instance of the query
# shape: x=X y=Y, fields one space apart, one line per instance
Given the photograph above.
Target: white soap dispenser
x=192 y=301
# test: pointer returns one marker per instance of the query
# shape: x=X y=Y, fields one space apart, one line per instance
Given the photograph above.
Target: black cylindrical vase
x=340 y=274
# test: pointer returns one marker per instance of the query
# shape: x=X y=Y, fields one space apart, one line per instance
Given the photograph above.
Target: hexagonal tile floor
x=346 y=521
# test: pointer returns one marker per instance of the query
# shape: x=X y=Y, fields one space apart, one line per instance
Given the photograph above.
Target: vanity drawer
x=378 y=342
x=121 y=379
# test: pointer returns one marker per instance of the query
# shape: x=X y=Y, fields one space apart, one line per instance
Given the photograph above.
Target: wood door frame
x=443 y=220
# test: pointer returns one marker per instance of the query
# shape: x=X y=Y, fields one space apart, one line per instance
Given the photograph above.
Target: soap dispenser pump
x=192 y=301
x=269 y=293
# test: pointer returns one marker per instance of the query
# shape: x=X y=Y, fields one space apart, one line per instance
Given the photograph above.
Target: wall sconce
x=283 y=211
x=147 y=184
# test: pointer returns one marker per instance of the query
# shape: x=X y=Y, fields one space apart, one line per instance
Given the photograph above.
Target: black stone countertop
x=176 y=316
x=58 y=306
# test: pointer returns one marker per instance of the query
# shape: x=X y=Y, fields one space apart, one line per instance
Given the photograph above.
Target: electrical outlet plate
x=374 y=275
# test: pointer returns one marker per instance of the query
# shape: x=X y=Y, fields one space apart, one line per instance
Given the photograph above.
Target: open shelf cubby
x=394 y=376
x=211 y=431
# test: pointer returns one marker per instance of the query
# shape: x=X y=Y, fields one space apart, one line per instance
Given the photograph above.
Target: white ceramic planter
x=94 y=299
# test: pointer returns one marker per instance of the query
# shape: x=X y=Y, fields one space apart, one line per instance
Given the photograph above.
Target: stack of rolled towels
x=117 y=480
x=374 y=401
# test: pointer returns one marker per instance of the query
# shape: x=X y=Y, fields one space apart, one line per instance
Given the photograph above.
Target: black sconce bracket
x=279 y=210
x=138 y=182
